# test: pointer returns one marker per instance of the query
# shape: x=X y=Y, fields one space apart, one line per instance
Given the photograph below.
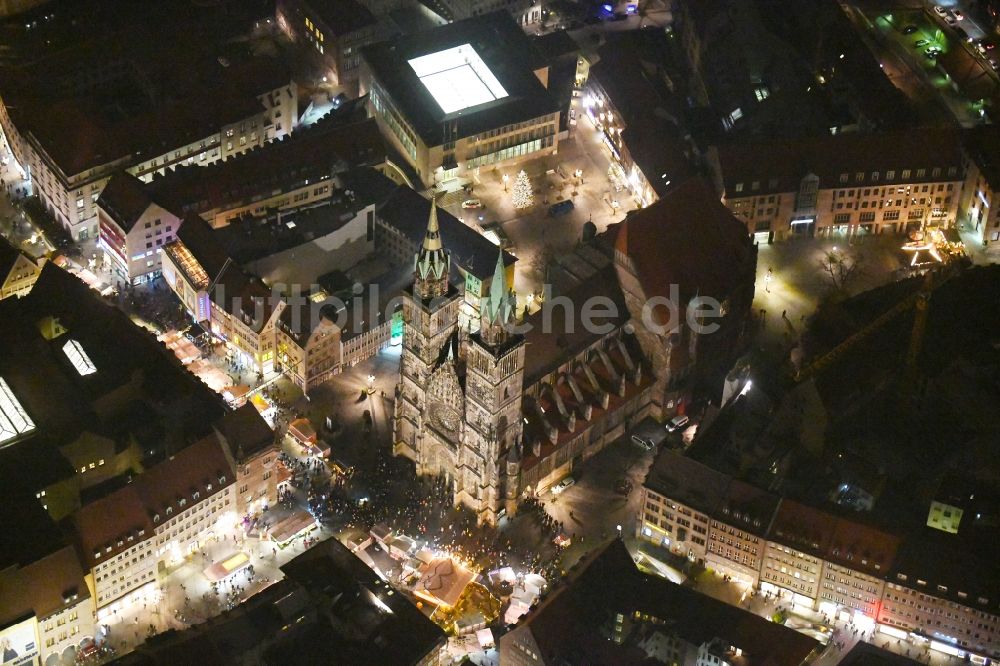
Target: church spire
x=497 y=309
x=432 y=263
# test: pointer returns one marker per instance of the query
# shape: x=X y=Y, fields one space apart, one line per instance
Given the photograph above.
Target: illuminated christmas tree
x=521 y=194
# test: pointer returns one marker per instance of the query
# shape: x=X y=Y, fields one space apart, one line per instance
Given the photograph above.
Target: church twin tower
x=458 y=402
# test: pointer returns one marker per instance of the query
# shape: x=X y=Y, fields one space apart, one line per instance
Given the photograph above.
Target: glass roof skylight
x=457 y=78
x=14 y=421
x=74 y=352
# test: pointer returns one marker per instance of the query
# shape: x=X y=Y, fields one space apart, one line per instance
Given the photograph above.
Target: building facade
x=253 y=453
x=980 y=203
x=456 y=130
x=842 y=185
x=133 y=229
x=468 y=435
x=161 y=518
x=18 y=271
x=69 y=190
x=841 y=567
x=529 y=409
x=332 y=32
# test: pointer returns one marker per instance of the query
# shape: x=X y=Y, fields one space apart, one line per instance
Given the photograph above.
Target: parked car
x=940 y=11
x=988 y=44
x=909 y=30
x=472 y=203
x=957 y=13
x=921 y=43
x=561 y=208
x=950 y=20
x=678 y=422
x=563 y=485
x=642 y=442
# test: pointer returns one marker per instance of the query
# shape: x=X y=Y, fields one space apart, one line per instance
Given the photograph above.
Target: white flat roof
x=457 y=78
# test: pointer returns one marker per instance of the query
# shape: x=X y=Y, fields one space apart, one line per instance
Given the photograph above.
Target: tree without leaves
x=840 y=268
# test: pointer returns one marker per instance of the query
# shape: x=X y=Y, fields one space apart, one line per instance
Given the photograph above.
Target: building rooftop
x=947 y=565
x=134 y=83
x=687 y=240
x=407 y=212
x=573 y=623
x=328 y=603
x=368 y=621
x=342 y=16
x=74 y=350
x=313 y=155
x=982 y=145
x=8 y=256
x=22 y=512
x=493 y=84
x=867 y=654
x=252 y=238
x=91 y=132
x=556 y=334
x=124 y=198
x=245 y=432
x=893 y=156
x=42 y=586
x=127 y=516
x=678 y=477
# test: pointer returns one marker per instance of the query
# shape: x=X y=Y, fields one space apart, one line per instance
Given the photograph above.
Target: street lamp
x=505 y=179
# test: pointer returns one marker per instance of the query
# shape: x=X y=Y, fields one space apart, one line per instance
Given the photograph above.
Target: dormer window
x=182 y=502
x=156 y=518
x=196 y=496
x=222 y=480
x=208 y=487
x=170 y=510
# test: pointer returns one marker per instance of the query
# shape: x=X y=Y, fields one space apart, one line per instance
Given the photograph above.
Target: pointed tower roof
x=497 y=303
x=432 y=263
x=432 y=239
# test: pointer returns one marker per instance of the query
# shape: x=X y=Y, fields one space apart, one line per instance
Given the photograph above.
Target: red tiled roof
x=99 y=525
x=803 y=526
x=689 y=239
x=41 y=586
x=862 y=547
x=102 y=524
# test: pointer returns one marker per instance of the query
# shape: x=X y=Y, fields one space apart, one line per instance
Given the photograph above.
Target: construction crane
x=918 y=300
